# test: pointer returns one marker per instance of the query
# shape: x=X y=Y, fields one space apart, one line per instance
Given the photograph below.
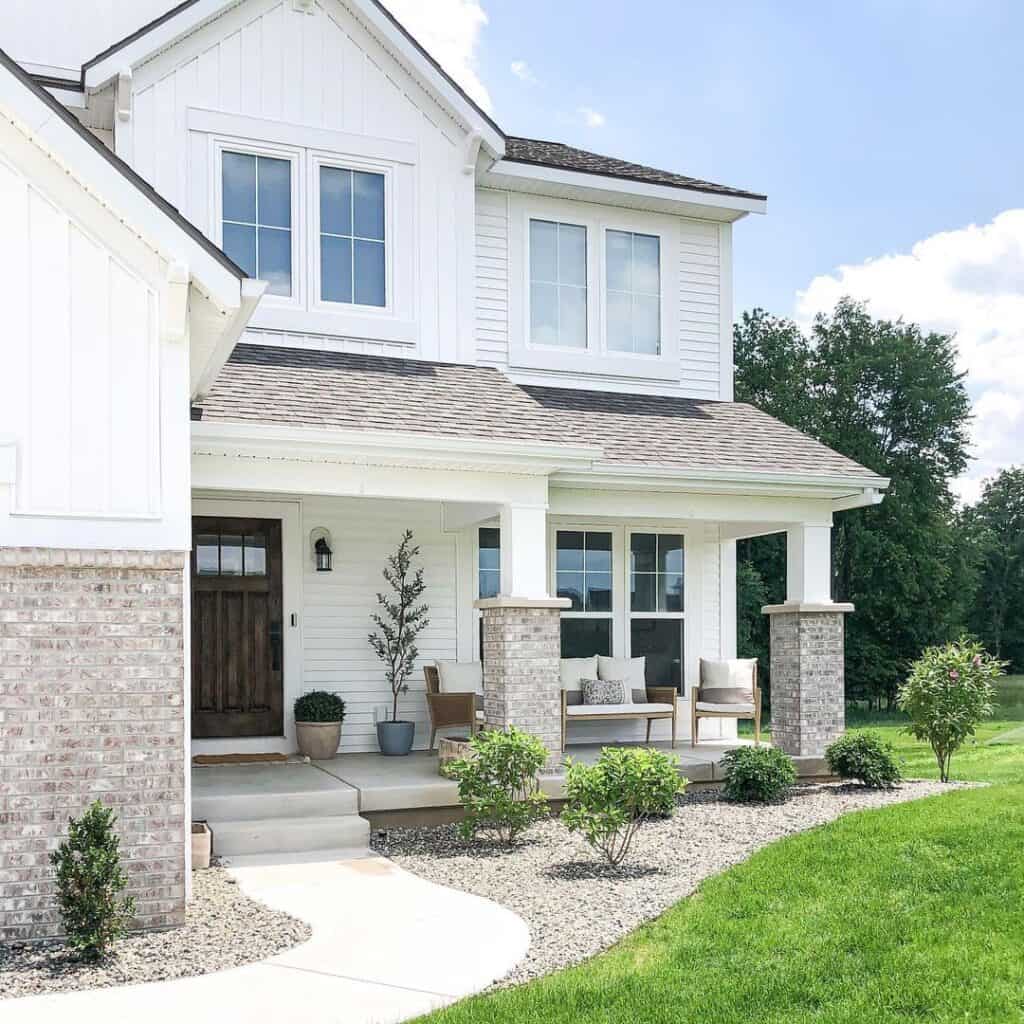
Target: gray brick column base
x=91 y=705
x=521 y=650
x=808 y=710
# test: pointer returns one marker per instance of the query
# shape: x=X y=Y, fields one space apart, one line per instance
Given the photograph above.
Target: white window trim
x=219 y=144
x=596 y=358
x=346 y=163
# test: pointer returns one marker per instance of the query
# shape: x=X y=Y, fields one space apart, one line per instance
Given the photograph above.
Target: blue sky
x=888 y=136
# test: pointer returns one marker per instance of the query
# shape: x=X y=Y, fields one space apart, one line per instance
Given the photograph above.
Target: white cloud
x=969 y=282
x=591 y=118
x=523 y=71
x=449 y=30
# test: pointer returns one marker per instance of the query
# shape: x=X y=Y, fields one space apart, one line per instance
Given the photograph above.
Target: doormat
x=208 y=759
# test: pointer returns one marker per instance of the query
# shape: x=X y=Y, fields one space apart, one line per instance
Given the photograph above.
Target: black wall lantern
x=322 y=553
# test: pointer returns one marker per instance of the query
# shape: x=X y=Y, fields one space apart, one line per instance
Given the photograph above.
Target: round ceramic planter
x=318 y=740
x=395 y=738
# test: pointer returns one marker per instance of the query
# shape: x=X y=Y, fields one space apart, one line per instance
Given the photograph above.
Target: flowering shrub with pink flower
x=948 y=692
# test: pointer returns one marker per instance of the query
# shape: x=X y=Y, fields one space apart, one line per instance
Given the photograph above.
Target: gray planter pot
x=395 y=738
x=318 y=740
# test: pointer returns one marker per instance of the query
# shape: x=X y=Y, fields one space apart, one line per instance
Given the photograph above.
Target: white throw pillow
x=632 y=671
x=735 y=674
x=460 y=676
x=572 y=670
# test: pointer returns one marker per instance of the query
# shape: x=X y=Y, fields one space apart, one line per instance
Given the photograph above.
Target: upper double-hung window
x=353 y=264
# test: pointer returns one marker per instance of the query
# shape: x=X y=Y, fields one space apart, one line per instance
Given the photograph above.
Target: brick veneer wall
x=91 y=705
x=521 y=671
x=808 y=709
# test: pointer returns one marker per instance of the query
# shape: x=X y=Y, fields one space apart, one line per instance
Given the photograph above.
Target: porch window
x=633 y=299
x=656 y=577
x=489 y=562
x=583 y=573
x=558 y=284
x=352 y=258
x=256 y=196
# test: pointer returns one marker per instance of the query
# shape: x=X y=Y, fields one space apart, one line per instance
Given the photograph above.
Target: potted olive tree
x=318 y=718
x=399 y=620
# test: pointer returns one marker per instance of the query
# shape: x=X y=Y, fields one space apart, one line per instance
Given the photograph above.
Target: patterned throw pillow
x=603 y=691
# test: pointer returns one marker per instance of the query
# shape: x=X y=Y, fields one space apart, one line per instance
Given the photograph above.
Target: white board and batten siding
x=319 y=83
x=93 y=431
x=701 y=290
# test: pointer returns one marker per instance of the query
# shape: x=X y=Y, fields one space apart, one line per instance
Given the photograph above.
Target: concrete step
x=338 y=835
x=257 y=793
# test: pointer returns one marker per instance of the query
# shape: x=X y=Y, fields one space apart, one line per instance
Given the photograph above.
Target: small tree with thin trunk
x=949 y=691
x=400 y=619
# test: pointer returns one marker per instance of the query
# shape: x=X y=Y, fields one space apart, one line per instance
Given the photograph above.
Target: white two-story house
x=311 y=293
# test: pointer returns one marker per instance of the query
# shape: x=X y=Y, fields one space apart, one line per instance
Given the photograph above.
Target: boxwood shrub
x=865 y=758
x=757 y=774
x=319 y=706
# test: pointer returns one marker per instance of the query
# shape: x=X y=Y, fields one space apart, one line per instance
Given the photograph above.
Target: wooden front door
x=237 y=635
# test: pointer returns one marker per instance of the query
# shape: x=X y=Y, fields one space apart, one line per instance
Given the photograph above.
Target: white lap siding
x=337 y=607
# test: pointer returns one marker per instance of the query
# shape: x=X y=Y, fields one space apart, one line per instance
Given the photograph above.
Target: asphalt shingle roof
x=557 y=154
x=331 y=390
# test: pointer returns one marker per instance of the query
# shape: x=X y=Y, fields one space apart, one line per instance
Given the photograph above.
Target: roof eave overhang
x=387 y=448
x=540 y=179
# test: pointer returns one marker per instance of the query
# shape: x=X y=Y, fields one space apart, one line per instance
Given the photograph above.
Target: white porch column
x=521 y=633
x=807 y=650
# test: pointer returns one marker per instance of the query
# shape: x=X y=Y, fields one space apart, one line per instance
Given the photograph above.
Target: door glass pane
x=238 y=177
x=335 y=269
x=255 y=555
x=207 y=554
x=543 y=251
x=335 y=201
x=570 y=585
x=583 y=638
x=599 y=592
x=275 y=192
x=240 y=245
x=572 y=254
x=660 y=641
x=544 y=314
x=368 y=205
x=572 y=316
x=641 y=552
x=619 y=260
x=569 y=549
x=369 y=273
x=230 y=554
x=643 y=591
x=275 y=260
x=670 y=592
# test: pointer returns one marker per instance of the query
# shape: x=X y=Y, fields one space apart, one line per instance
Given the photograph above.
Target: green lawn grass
x=914 y=912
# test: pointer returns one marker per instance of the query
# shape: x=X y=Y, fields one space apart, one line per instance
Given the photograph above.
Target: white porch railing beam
x=524 y=551
x=809 y=564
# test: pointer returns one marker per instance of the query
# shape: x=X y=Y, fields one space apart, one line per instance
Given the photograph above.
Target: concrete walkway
x=386 y=946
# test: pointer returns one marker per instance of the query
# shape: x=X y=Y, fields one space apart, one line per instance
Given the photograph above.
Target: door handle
x=275 y=646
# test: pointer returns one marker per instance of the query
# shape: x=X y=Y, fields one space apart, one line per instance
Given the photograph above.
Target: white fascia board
x=605 y=188
x=97 y=73
x=387 y=447
x=843 y=491
x=94 y=171
x=204 y=375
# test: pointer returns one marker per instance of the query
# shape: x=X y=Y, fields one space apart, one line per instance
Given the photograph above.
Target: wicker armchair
x=448 y=709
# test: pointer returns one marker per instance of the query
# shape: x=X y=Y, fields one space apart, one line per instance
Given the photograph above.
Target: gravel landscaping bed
x=223 y=928
x=575 y=906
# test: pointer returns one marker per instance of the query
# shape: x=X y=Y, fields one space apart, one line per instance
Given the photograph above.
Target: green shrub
x=949 y=691
x=498 y=785
x=89 y=883
x=863 y=756
x=319 y=706
x=607 y=802
x=757 y=774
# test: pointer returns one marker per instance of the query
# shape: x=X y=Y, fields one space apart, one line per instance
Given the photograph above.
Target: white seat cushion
x=572 y=670
x=617 y=709
x=736 y=709
x=734 y=674
x=632 y=671
x=460 y=676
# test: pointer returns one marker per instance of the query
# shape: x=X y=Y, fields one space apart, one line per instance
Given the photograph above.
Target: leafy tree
x=400 y=620
x=995 y=528
x=888 y=396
